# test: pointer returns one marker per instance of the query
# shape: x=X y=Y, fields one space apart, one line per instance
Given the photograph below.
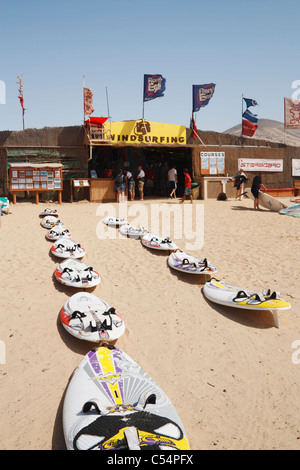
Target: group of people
x=124 y=177
x=173 y=180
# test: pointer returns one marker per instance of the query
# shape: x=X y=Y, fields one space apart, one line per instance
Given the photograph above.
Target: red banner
x=248 y=128
x=22 y=103
x=88 y=101
x=194 y=127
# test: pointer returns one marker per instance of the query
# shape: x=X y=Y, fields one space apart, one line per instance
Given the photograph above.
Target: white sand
x=230 y=374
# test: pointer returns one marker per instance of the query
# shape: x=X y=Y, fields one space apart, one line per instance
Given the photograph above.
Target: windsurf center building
x=91 y=154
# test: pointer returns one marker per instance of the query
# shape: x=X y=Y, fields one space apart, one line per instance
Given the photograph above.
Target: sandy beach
x=233 y=377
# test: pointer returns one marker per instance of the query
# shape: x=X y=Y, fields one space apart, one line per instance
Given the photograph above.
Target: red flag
x=22 y=103
x=194 y=127
x=248 y=128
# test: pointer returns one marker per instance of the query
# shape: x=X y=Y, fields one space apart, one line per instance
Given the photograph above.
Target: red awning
x=96 y=120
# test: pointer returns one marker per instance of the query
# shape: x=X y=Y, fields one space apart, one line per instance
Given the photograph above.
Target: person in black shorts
x=256 y=186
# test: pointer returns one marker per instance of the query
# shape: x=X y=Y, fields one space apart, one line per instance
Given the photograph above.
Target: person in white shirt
x=141 y=181
x=131 y=185
x=172 y=178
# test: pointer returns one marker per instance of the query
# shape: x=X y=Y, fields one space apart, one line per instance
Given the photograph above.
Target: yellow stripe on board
x=270 y=304
x=108 y=369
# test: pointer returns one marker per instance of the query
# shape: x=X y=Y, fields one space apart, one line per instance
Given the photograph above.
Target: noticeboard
x=35 y=177
x=212 y=163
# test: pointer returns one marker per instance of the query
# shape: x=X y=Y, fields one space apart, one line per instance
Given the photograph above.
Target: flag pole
x=197 y=135
x=83 y=99
x=242 y=114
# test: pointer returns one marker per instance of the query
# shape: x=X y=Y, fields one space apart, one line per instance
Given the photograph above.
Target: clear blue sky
x=245 y=47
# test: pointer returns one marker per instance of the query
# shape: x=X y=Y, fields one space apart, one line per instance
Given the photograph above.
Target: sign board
x=260 y=164
x=295 y=167
x=81 y=182
x=142 y=131
x=212 y=163
x=35 y=177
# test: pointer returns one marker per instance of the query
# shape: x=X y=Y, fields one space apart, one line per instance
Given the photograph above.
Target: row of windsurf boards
x=111 y=403
x=214 y=290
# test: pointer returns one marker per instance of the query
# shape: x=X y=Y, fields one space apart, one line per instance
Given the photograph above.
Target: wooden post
x=36 y=197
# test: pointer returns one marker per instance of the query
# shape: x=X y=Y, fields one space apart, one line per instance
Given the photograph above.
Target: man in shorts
x=256 y=187
x=187 y=186
x=141 y=182
x=131 y=185
x=172 y=178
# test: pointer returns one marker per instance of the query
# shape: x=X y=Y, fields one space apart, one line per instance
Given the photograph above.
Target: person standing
x=257 y=186
x=187 y=186
x=141 y=182
x=131 y=185
x=120 y=181
x=239 y=182
x=172 y=178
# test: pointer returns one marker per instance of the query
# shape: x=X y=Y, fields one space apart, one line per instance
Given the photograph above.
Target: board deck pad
x=109 y=394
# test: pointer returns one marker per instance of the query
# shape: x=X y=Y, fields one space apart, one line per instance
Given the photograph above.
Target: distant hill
x=271 y=130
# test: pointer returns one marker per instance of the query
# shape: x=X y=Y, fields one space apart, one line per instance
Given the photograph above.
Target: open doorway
x=155 y=161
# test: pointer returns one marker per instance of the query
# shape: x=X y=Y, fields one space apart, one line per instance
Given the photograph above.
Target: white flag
x=88 y=101
x=291 y=113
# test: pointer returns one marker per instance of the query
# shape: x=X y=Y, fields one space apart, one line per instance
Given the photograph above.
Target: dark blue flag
x=250 y=102
x=202 y=94
x=250 y=116
x=154 y=86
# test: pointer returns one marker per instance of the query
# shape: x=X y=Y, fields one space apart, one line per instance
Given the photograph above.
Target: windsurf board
x=158 y=243
x=58 y=232
x=294 y=211
x=267 y=201
x=75 y=273
x=67 y=248
x=51 y=221
x=89 y=318
x=53 y=212
x=223 y=293
x=111 y=403
x=114 y=221
x=189 y=264
x=131 y=232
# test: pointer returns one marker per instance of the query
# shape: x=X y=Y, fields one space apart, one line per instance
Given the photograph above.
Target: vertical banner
x=291 y=113
x=249 y=120
x=88 y=101
x=154 y=87
x=20 y=90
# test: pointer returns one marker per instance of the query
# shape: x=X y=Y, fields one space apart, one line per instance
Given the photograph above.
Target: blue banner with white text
x=202 y=95
x=154 y=87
